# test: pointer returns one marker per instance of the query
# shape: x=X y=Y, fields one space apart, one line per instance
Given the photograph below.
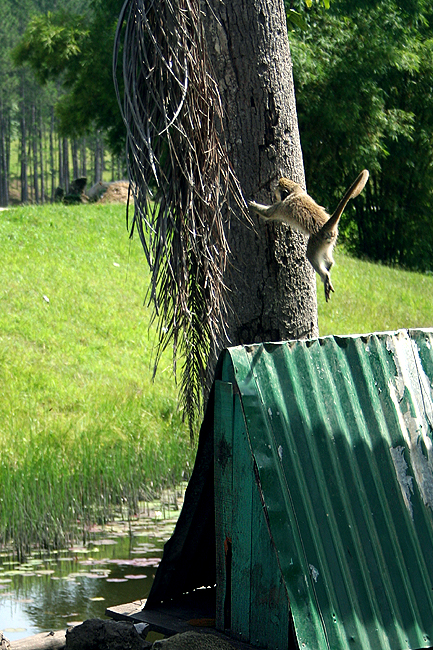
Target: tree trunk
x=41 y=155
x=65 y=164
x=75 y=167
x=52 y=168
x=61 y=167
x=4 y=199
x=83 y=157
x=271 y=284
x=8 y=129
x=24 y=179
x=99 y=157
x=35 y=155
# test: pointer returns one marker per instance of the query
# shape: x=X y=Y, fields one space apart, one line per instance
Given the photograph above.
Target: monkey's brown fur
x=296 y=208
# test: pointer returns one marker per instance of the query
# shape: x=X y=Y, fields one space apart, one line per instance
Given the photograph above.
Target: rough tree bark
x=171 y=110
x=272 y=285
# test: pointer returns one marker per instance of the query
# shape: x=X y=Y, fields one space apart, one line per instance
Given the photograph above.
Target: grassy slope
x=371 y=297
x=79 y=412
x=82 y=425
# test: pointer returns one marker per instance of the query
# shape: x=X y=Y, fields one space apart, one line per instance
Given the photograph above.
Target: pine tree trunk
x=61 y=168
x=99 y=158
x=24 y=179
x=83 y=156
x=8 y=129
x=66 y=178
x=75 y=168
x=3 y=159
x=52 y=168
x=41 y=156
x=101 y=154
x=35 y=155
x=271 y=284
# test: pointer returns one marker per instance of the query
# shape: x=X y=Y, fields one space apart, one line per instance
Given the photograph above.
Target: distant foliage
x=365 y=99
x=75 y=50
x=57 y=101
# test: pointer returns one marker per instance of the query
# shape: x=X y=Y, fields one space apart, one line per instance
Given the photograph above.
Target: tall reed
x=83 y=428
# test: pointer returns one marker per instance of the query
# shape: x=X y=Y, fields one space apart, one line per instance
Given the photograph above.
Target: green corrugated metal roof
x=341 y=432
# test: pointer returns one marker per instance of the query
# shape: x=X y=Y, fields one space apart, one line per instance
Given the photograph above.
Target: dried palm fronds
x=181 y=179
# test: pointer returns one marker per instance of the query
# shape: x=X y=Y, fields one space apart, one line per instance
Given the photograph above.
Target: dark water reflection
x=49 y=593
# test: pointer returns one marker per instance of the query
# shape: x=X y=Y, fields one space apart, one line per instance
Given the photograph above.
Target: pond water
x=53 y=592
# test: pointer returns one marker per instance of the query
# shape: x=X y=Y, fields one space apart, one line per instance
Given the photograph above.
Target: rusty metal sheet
x=340 y=429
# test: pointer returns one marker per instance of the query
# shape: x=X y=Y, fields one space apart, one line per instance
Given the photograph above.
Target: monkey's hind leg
x=328 y=286
x=319 y=253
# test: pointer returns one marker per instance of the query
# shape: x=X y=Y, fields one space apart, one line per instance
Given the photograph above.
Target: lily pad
x=138 y=561
x=117 y=580
x=12 y=630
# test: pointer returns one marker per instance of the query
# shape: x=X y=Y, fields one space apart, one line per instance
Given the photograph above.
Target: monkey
x=295 y=207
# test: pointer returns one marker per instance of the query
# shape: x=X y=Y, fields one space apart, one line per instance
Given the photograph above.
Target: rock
x=193 y=641
x=78 y=185
x=97 y=634
x=4 y=642
x=59 y=194
x=97 y=190
x=76 y=192
x=42 y=641
x=117 y=192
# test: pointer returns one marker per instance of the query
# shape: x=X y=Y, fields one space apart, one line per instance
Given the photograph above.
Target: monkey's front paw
x=328 y=288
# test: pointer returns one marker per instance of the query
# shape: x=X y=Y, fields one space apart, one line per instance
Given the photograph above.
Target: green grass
x=372 y=297
x=83 y=427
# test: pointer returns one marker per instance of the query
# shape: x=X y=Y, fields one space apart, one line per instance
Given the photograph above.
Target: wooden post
x=223 y=500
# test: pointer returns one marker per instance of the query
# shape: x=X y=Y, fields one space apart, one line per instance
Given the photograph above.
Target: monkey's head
x=286 y=187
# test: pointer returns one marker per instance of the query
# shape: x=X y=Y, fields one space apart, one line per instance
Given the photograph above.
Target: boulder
x=78 y=185
x=4 y=642
x=97 y=190
x=98 y=634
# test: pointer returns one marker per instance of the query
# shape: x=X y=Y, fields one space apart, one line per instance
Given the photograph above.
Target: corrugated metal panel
x=341 y=431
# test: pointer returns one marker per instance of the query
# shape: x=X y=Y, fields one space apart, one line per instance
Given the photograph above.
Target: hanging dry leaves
x=182 y=180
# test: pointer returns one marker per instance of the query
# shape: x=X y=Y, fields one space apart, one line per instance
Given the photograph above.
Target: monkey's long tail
x=353 y=191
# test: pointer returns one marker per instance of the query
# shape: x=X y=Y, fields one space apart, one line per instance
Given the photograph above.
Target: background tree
x=208 y=137
x=76 y=50
x=54 y=43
